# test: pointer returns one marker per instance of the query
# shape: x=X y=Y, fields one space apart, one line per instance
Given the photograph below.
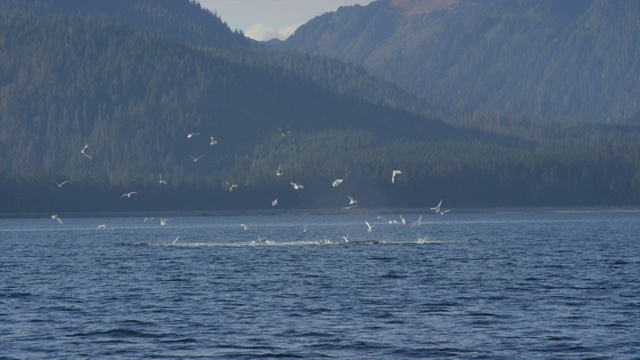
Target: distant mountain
x=180 y=19
x=132 y=91
x=542 y=58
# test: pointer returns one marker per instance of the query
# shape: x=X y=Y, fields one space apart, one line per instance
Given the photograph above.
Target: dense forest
x=574 y=59
x=133 y=96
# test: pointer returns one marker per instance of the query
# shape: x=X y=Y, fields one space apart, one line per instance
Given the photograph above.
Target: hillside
x=571 y=59
x=133 y=96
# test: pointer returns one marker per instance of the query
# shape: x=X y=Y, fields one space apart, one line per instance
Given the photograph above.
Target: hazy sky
x=268 y=19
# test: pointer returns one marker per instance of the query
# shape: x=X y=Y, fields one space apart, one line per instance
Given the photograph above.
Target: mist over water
x=467 y=285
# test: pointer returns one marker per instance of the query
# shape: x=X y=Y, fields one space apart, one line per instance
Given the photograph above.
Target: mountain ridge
x=566 y=59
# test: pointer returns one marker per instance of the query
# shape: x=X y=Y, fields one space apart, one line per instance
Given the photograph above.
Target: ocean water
x=466 y=285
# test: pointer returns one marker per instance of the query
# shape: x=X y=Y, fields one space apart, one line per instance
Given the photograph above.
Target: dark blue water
x=488 y=285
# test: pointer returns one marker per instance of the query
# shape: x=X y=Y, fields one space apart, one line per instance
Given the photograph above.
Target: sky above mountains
x=269 y=19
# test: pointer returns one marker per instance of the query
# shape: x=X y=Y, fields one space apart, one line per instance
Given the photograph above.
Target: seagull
x=101 y=226
x=213 y=141
x=84 y=151
x=60 y=184
x=345 y=238
x=162 y=181
x=352 y=201
x=56 y=218
x=245 y=226
x=231 y=186
x=393 y=175
x=284 y=133
x=417 y=222
x=296 y=186
x=305 y=229
x=190 y=135
x=164 y=221
x=444 y=211
x=337 y=182
x=274 y=202
x=279 y=171
x=369 y=226
x=404 y=222
x=128 y=194
x=437 y=207
x=176 y=239
x=195 y=159
x=147 y=219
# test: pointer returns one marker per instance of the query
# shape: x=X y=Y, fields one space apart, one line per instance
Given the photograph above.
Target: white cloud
x=263 y=32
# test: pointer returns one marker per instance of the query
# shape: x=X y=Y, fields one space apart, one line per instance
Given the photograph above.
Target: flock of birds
x=352 y=202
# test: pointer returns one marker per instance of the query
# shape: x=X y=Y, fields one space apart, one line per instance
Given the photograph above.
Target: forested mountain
x=573 y=59
x=133 y=95
x=182 y=19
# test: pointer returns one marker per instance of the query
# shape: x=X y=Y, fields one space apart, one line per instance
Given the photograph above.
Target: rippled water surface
x=466 y=285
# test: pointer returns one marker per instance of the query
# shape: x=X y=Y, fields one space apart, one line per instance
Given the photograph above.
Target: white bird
x=404 y=222
x=164 y=221
x=296 y=186
x=129 y=194
x=417 y=222
x=305 y=229
x=284 y=133
x=393 y=175
x=279 y=171
x=147 y=219
x=369 y=226
x=274 y=202
x=337 y=182
x=230 y=187
x=245 y=226
x=176 y=239
x=101 y=226
x=437 y=207
x=60 y=184
x=190 y=135
x=345 y=238
x=162 y=181
x=196 y=158
x=213 y=141
x=56 y=218
x=444 y=211
x=84 y=151
x=352 y=201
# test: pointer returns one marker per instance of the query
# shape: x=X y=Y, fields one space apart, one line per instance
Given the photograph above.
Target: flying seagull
x=352 y=201
x=337 y=182
x=190 y=135
x=279 y=171
x=56 y=218
x=369 y=226
x=162 y=181
x=230 y=187
x=60 y=184
x=176 y=239
x=284 y=133
x=393 y=175
x=244 y=226
x=84 y=151
x=296 y=186
x=213 y=141
x=128 y=194
x=274 y=202
x=164 y=221
x=195 y=159
x=101 y=226
x=437 y=207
